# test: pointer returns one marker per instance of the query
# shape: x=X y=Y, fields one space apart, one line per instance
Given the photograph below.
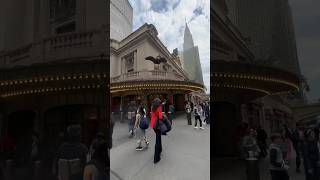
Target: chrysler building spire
x=191 y=58
x=188 y=41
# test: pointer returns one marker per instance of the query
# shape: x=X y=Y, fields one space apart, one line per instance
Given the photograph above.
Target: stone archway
x=20 y=128
x=179 y=102
x=57 y=119
x=115 y=104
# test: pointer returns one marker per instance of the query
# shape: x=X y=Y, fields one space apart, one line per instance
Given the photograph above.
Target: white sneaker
x=196 y=127
x=201 y=127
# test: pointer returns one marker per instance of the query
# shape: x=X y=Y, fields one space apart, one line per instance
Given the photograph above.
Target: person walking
x=197 y=112
x=188 y=112
x=202 y=107
x=287 y=146
x=141 y=113
x=71 y=156
x=297 y=143
x=278 y=168
x=131 y=117
x=156 y=115
x=99 y=138
x=97 y=167
x=242 y=132
x=35 y=147
x=206 y=109
x=262 y=141
x=310 y=155
x=164 y=107
x=171 y=112
x=250 y=145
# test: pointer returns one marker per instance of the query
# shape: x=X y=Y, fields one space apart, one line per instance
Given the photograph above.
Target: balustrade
x=147 y=75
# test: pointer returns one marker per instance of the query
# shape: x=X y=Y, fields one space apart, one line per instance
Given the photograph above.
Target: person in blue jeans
x=141 y=133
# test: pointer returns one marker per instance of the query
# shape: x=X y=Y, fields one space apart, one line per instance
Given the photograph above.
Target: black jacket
x=310 y=154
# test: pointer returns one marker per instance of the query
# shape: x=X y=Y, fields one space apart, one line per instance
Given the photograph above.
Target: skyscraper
x=191 y=58
x=188 y=41
x=268 y=27
x=121 y=17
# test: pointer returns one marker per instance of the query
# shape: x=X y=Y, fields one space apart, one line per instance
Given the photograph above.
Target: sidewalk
x=185 y=156
x=234 y=169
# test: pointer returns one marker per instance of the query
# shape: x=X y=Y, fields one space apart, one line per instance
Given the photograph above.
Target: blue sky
x=169 y=17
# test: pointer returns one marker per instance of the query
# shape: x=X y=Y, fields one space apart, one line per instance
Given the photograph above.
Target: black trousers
x=298 y=155
x=196 y=118
x=263 y=148
x=279 y=175
x=158 y=145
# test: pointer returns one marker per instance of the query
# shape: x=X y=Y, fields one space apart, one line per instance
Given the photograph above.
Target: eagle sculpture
x=156 y=60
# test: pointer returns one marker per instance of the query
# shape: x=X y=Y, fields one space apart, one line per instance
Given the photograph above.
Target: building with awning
x=53 y=72
x=134 y=78
x=241 y=86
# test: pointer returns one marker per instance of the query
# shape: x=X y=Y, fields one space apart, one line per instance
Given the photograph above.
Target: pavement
x=234 y=169
x=185 y=156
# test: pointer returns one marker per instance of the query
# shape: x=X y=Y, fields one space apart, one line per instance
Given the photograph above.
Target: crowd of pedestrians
x=140 y=118
x=73 y=160
x=201 y=114
x=305 y=144
x=159 y=117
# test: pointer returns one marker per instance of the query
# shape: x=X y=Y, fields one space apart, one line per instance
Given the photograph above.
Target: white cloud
x=170 y=23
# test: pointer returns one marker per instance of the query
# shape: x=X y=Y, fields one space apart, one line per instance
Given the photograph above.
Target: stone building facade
x=243 y=91
x=132 y=77
x=135 y=78
x=53 y=70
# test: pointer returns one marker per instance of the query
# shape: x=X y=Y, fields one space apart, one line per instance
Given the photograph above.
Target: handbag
x=167 y=123
x=164 y=124
x=163 y=127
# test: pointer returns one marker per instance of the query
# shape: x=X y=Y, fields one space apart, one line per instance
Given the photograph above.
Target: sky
x=169 y=17
x=306 y=18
